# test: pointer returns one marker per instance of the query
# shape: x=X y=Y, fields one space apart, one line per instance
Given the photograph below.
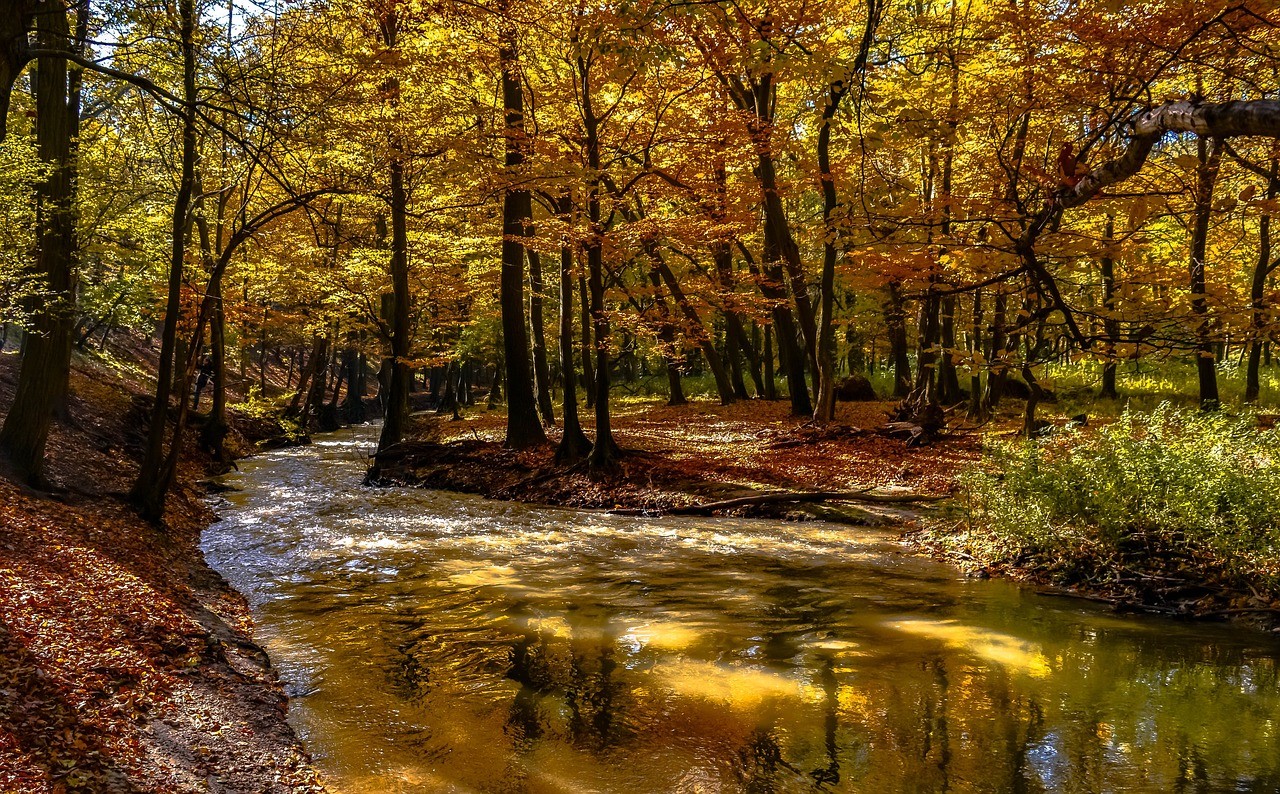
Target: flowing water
x=437 y=642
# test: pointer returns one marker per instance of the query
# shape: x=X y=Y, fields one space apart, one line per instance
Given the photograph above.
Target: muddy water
x=436 y=642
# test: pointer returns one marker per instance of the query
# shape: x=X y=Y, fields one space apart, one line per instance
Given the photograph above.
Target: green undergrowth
x=1173 y=503
x=269 y=414
x=1145 y=385
x=1141 y=386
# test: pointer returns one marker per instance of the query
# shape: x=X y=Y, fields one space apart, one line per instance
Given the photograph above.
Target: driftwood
x=915 y=435
x=1119 y=604
x=785 y=497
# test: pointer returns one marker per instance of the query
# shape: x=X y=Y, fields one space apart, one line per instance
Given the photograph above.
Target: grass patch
x=1148 y=384
x=1166 y=501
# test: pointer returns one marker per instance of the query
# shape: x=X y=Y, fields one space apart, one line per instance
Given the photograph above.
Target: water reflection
x=453 y=644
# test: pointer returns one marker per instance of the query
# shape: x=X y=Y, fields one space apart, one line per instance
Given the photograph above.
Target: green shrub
x=1205 y=486
x=258 y=408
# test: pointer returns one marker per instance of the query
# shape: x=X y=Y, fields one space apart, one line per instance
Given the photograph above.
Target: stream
x=436 y=642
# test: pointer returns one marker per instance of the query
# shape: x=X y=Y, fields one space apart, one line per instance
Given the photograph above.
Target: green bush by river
x=1177 y=503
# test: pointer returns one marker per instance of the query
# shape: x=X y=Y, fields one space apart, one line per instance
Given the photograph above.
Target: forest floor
x=676 y=456
x=126 y=663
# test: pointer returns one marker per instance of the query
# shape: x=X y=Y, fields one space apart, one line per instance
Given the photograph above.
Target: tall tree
x=152 y=484
x=523 y=428
x=604 y=451
x=541 y=371
x=46 y=360
x=573 y=444
x=1208 y=166
x=837 y=89
x=397 y=404
x=1263 y=268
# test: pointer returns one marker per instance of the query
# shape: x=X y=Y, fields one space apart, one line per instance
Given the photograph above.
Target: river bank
x=127 y=663
x=677 y=456
x=1171 y=511
x=701 y=453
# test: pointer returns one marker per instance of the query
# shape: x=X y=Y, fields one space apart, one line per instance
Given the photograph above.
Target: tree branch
x=1260 y=118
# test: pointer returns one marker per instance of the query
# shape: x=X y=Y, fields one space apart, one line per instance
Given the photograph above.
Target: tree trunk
x=746 y=344
x=397 y=402
x=215 y=427
x=495 y=389
x=152 y=485
x=695 y=327
x=448 y=393
x=573 y=442
x=15 y=23
x=782 y=251
x=948 y=379
x=461 y=388
x=588 y=349
x=1258 y=291
x=46 y=358
x=262 y=351
x=737 y=342
x=397 y=391
x=1206 y=175
x=789 y=349
x=895 y=320
x=604 y=452
x=977 y=407
x=825 y=408
x=541 y=371
x=927 y=353
x=1260 y=117
x=338 y=364
x=666 y=334
x=319 y=382
x=997 y=372
x=770 y=379
x=523 y=428
x=733 y=354
x=305 y=373
x=353 y=407
x=825 y=369
x=1110 y=325
x=1035 y=393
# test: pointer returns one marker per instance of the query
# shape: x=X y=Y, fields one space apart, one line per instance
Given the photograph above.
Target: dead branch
x=788 y=497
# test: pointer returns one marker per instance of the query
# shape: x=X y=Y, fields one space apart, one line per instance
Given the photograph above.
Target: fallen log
x=785 y=497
